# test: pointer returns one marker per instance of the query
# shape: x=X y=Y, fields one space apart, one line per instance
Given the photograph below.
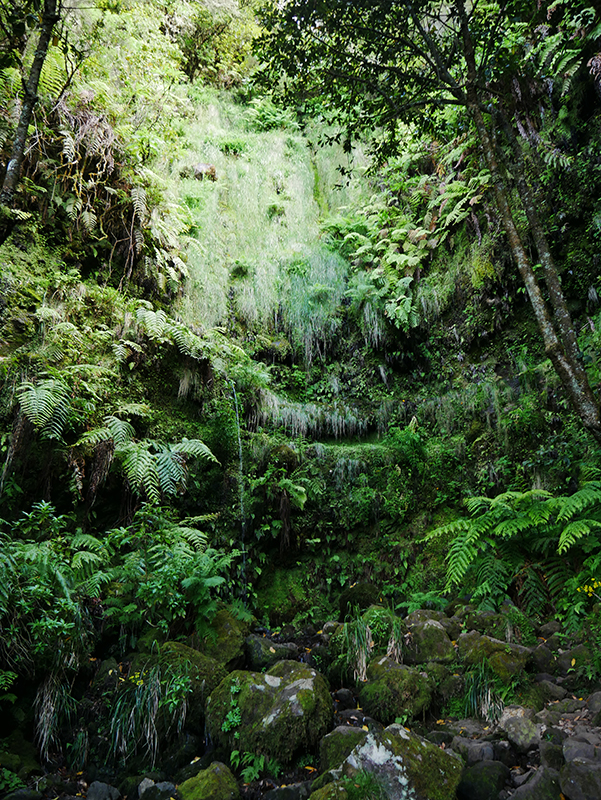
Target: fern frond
x=141 y=470
x=155 y=323
x=171 y=470
x=194 y=447
x=83 y=560
x=94 y=437
x=509 y=527
x=196 y=538
x=91 y=586
x=46 y=405
x=575 y=531
x=477 y=505
x=121 y=430
x=582 y=500
x=462 y=553
x=556 y=574
x=533 y=595
x=138 y=197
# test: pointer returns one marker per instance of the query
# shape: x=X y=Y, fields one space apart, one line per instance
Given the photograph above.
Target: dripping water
x=241 y=490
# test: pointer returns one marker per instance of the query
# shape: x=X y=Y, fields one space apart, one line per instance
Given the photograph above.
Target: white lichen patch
x=272 y=680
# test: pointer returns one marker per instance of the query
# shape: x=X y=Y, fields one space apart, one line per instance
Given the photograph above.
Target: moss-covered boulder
x=429 y=643
x=405 y=766
x=214 y=783
x=261 y=652
x=282 y=594
x=20 y=756
x=277 y=713
x=394 y=690
x=332 y=791
x=338 y=745
x=505 y=660
x=483 y=781
x=205 y=674
x=225 y=640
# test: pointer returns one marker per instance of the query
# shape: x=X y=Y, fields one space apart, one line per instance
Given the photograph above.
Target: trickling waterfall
x=241 y=490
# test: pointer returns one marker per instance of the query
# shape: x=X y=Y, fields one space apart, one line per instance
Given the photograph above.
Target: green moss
x=225 y=641
x=332 y=791
x=394 y=691
x=214 y=783
x=282 y=594
x=280 y=712
x=338 y=745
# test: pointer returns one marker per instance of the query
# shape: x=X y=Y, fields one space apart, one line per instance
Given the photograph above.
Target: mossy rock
x=394 y=690
x=225 y=641
x=429 y=643
x=214 y=783
x=338 y=745
x=404 y=765
x=261 y=652
x=332 y=791
x=205 y=673
x=24 y=755
x=282 y=594
x=360 y=596
x=278 y=713
x=483 y=780
x=505 y=660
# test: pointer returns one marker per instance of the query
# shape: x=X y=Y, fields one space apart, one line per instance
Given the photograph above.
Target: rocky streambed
x=435 y=706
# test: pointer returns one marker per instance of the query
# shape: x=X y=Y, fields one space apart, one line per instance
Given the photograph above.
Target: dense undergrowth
x=265 y=387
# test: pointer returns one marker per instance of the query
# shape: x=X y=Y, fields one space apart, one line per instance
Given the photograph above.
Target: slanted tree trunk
x=50 y=16
x=560 y=338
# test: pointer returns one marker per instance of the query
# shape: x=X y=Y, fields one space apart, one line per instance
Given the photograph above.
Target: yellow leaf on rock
x=364 y=728
x=573 y=661
x=272 y=649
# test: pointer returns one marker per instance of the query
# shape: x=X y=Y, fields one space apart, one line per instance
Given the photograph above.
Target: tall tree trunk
x=561 y=312
x=50 y=17
x=571 y=373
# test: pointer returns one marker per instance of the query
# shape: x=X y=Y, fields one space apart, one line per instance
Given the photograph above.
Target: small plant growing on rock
x=234 y=716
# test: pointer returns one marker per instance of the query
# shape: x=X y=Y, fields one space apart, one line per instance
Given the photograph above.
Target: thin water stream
x=241 y=491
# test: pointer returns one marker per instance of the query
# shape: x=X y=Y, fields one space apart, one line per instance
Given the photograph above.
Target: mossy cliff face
x=276 y=713
x=394 y=690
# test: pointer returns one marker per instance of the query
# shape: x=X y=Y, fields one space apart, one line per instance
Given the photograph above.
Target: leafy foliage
x=512 y=544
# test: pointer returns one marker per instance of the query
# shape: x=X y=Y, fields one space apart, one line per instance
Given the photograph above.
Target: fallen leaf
x=364 y=728
x=272 y=649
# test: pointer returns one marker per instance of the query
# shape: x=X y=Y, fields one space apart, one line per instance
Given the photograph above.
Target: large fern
x=46 y=405
x=516 y=541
